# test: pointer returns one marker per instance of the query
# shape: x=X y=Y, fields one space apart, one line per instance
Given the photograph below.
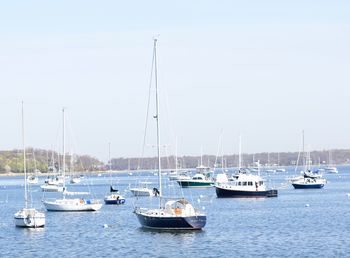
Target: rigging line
x=140 y=161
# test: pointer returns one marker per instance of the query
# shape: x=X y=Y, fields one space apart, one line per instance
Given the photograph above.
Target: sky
x=265 y=70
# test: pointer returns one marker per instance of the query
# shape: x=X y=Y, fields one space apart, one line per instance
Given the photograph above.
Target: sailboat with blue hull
x=175 y=213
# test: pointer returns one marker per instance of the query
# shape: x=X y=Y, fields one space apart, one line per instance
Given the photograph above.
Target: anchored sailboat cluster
x=170 y=213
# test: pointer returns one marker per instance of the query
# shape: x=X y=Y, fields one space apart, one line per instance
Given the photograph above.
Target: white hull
x=29 y=218
x=142 y=192
x=51 y=188
x=72 y=205
x=75 y=180
x=331 y=170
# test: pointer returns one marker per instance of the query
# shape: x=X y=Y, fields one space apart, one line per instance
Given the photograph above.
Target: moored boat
x=175 y=214
x=243 y=186
x=28 y=217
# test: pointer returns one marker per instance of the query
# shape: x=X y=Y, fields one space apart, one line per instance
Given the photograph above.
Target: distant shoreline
x=2 y=174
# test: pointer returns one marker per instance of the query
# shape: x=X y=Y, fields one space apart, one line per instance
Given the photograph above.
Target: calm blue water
x=273 y=227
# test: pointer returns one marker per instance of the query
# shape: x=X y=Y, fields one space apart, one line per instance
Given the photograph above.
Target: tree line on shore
x=45 y=160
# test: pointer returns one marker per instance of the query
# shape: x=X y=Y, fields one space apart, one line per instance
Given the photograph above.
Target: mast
x=304 y=155
x=176 y=156
x=157 y=119
x=64 y=152
x=109 y=158
x=240 y=153
x=24 y=162
x=201 y=156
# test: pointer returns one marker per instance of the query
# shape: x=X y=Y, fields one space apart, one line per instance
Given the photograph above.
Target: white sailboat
x=28 y=217
x=71 y=204
x=175 y=214
x=330 y=168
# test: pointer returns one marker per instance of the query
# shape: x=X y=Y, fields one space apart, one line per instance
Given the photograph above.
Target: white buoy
x=105 y=225
x=307 y=205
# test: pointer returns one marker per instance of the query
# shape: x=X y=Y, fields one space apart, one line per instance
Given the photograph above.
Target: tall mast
x=157 y=118
x=201 y=156
x=240 y=153
x=64 y=152
x=24 y=162
x=176 y=156
x=109 y=158
x=304 y=155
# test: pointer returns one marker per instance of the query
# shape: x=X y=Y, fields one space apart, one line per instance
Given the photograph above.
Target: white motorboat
x=28 y=217
x=242 y=185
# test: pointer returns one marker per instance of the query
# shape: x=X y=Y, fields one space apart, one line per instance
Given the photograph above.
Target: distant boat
x=33 y=180
x=330 y=168
x=171 y=214
x=245 y=185
x=75 y=180
x=143 y=190
x=308 y=180
x=27 y=217
x=71 y=204
x=114 y=197
x=51 y=188
x=280 y=170
x=202 y=178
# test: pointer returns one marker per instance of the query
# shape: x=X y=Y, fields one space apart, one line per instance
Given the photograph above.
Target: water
x=297 y=223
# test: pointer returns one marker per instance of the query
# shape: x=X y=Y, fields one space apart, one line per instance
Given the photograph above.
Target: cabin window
x=261 y=183
x=244 y=183
x=250 y=183
x=239 y=183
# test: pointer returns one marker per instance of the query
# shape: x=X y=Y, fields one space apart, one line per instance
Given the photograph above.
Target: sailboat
x=114 y=197
x=71 y=204
x=54 y=182
x=176 y=213
x=330 y=168
x=308 y=180
x=28 y=217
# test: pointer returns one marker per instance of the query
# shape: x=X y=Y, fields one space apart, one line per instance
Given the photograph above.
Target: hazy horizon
x=263 y=70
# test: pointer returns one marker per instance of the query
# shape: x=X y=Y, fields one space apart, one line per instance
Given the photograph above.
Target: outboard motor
x=156 y=192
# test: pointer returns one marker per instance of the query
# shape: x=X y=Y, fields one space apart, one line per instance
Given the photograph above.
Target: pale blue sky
x=265 y=69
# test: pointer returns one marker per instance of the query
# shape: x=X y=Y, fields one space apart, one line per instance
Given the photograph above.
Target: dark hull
x=117 y=202
x=182 y=223
x=229 y=193
x=185 y=184
x=313 y=186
